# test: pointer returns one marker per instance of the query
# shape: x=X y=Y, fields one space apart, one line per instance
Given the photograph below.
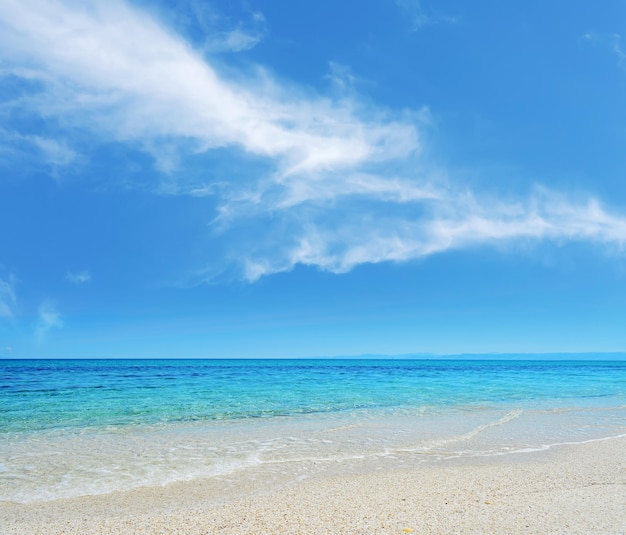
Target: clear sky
x=279 y=178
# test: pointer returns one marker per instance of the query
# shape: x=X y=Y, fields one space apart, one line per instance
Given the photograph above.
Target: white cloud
x=343 y=182
x=420 y=17
x=233 y=41
x=341 y=76
x=341 y=238
x=617 y=48
x=49 y=318
x=53 y=152
x=414 y=9
x=216 y=28
x=612 y=41
x=81 y=277
x=110 y=68
x=7 y=297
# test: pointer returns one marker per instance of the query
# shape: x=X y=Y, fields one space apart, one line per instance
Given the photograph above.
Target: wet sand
x=566 y=489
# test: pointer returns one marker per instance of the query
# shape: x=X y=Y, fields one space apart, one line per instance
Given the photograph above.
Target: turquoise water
x=76 y=427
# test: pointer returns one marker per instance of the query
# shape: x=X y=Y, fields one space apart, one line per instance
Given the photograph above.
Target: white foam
x=49 y=465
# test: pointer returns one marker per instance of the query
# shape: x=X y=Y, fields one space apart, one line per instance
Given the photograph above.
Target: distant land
x=495 y=356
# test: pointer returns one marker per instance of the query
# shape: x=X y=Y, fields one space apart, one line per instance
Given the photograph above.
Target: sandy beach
x=566 y=489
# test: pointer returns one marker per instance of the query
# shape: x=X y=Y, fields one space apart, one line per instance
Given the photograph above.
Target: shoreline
x=575 y=488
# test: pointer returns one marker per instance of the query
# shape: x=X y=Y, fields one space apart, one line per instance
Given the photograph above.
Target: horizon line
x=552 y=355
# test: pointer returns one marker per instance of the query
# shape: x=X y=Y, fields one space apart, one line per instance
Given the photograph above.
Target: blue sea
x=78 y=427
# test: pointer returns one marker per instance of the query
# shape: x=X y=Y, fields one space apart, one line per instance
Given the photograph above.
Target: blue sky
x=276 y=179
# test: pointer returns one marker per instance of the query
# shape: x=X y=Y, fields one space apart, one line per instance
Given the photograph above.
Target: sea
x=72 y=428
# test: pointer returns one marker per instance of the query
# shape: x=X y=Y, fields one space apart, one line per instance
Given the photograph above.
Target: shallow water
x=71 y=428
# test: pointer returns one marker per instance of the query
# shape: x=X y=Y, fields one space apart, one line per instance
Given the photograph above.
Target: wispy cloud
x=415 y=226
x=415 y=10
x=421 y=17
x=618 y=49
x=55 y=152
x=340 y=182
x=7 y=297
x=342 y=79
x=80 y=277
x=51 y=152
x=235 y=40
x=217 y=27
x=245 y=35
x=49 y=318
x=610 y=41
x=109 y=68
